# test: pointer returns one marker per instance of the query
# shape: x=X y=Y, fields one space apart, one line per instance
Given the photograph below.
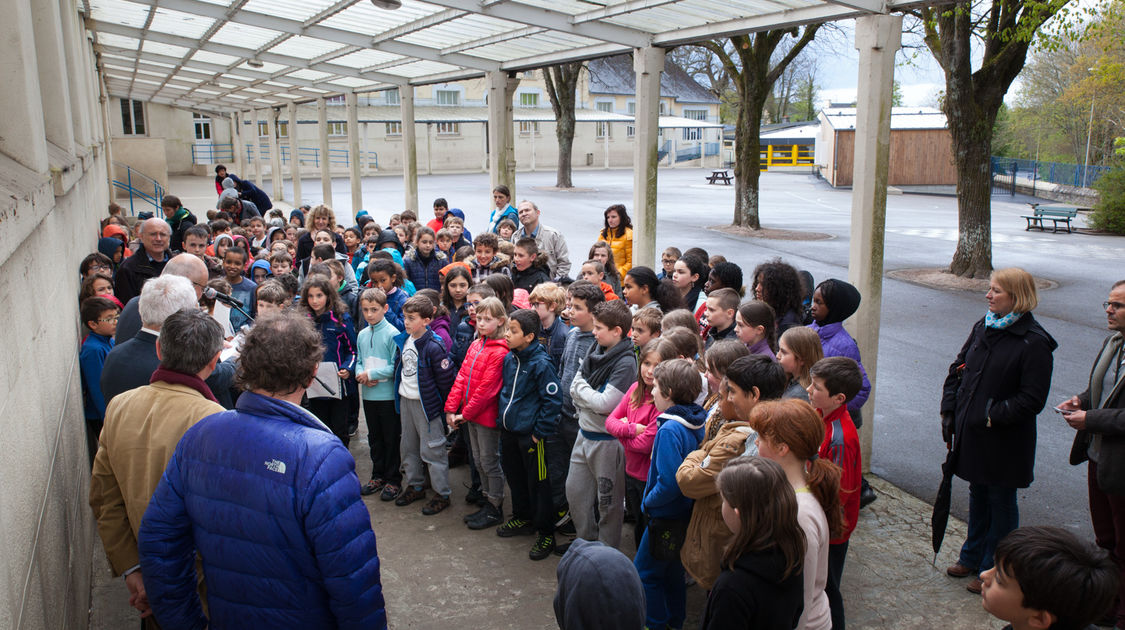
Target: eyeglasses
x=474 y=303
x=98 y=268
x=106 y=320
x=1112 y=306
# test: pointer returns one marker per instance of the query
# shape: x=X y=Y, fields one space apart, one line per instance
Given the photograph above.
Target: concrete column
x=533 y=147
x=484 y=147
x=275 y=155
x=429 y=148
x=365 y=152
x=238 y=154
x=294 y=155
x=672 y=150
x=256 y=116
x=877 y=37
x=22 y=135
x=605 y=144
x=325 y=162
x=409 y=147
x=501 y=154
x=648 y=63
x=249 y=142
x=78 y=74
x=354 y=176
x=54 y=88
x=107 y=143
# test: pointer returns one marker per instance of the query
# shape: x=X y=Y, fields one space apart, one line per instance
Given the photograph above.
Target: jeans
x=992 y=514
x=837 y=553
x=665 y=591
x=1107 y=512
x=484 y=445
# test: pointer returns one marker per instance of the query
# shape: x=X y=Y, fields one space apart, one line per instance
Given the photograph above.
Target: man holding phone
x=1099 y=416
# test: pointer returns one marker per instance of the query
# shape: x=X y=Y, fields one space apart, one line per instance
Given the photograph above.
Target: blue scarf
x=992 y=320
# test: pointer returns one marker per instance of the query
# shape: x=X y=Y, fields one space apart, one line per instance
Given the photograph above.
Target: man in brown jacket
x=1099 y=416
x=142 y=428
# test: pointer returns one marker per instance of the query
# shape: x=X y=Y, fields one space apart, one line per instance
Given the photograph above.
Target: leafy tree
x=896 y=94
x=1004 y=30
x=562 y=86
x=1109 y=212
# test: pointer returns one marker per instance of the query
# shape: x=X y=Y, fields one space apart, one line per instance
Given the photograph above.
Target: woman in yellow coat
x=618 y=232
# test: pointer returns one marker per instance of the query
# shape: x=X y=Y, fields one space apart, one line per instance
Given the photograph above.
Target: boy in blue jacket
x=424 y=374
x=675 y=386
x=529 y=409
x=100 y=316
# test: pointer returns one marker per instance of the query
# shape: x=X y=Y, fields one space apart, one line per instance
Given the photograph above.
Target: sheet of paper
x=221 y=314
x=327 y=382
x=374 y=363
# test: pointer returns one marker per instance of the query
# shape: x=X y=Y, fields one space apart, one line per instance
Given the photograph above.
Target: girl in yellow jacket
x=618 y=232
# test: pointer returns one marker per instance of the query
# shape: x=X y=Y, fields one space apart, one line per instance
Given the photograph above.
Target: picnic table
x=721 y=174
x=1055 y=213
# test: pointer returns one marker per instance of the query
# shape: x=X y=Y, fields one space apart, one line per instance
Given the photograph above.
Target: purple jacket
x=440 y=327
x=838 y=343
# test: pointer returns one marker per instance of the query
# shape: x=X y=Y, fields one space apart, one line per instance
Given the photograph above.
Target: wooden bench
x=723 y=175
x=1055 y=214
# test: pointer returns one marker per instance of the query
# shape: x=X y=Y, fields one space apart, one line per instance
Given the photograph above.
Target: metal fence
x=141 y=189
x=1008 y=173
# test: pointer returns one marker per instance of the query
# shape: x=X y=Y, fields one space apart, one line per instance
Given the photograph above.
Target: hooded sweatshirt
x=842 y=300
x=598 y=589
x=755 y=595
x=606 y=374
x=680 y=431
x=109 y=246
x=574 y=351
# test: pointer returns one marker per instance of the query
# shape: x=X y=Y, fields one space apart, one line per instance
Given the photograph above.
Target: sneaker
x=542 y=548
x=373 y=486
x=565 y=524
x=436 y=504
x=560 y=550
x=515 y=527
x=390 y=492
x=475 y=496
x=488 y=516
x=473 y=515
x=410 y=495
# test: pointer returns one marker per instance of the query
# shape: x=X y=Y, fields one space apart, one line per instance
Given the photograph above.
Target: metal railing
x=694 y=152
x=212 y=154
x=140 y=187
x=785 y=155
x=1008 y=172
x=311 y=156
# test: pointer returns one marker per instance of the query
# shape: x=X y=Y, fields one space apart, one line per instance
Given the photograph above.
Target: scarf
x=992 y=320
x=179 y=378
x=598 y=365
x=175 y=219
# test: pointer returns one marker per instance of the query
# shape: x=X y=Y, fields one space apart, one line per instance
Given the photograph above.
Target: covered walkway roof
x=236 y=55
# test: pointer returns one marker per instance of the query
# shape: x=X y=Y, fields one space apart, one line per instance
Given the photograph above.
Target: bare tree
x=562 y=87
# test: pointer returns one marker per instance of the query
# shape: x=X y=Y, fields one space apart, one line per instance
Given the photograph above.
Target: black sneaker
x=373 y=486
x=560 y=550
x=542 y=548
x=515 y=527
x=565 y=524
x=475 y=496
x=488 y=516
x=867 y=494
x=436 y=504
x=410 y=495
x=472 y=515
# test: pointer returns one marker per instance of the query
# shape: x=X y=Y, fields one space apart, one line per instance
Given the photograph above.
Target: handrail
x=133 y=179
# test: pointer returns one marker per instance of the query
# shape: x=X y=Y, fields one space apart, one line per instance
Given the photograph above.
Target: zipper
x=469 y=379
x=515 y=380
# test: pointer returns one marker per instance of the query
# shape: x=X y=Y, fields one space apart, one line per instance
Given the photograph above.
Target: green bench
x=1055 y=214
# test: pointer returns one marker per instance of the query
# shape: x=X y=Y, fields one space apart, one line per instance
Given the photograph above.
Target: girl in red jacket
x=634 y=424
x=475 y=395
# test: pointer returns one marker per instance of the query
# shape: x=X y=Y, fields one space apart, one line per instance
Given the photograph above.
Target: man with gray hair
x=131 y=364
x=185 y=266
x=142 y=428
x=145 y=263
x=549 y=240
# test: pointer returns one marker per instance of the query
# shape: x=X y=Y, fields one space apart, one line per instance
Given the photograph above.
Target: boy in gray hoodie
x=596 y=478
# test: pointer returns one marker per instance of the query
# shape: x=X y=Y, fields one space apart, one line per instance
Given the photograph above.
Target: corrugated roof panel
x=351 y=83
x=119 y=12
x=365 y=18
x=420 y=69
x=267 y=67
x=182 y=24
x=244 y=35
x=464 y=29
x=573 y=7
x=207 y=56
x=310 y=75
x=303 y=47
x=119 y=41
x=366 y=58
x=300 y=10
x=164 y=49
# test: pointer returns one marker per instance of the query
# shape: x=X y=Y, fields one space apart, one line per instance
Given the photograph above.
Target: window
x=631 y=130
x=527 y=127
x=337 y=128
x=663 y=108
x=694 y=133
x=132 y=117
x=263 y=130
x=394 y=128
x=529 y=99
x=447 y=97
x=282 y=129
x=202 y=126
x=603 y=127
x=335 y=100
x=392 y=97
x=449 y=129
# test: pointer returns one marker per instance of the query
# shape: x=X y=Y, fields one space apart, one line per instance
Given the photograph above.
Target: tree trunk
x=562 y=83
x=973 y=257
x=564 y=131
x=747 y=158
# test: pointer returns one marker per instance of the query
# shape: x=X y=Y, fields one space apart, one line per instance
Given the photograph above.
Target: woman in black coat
x=996 y=387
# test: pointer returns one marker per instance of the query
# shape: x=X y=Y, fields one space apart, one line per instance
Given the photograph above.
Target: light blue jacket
x=378 y=342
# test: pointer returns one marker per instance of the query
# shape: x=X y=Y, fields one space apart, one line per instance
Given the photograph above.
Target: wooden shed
x=921 y=147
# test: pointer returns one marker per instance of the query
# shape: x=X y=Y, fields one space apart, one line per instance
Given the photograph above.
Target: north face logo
x=276 y=466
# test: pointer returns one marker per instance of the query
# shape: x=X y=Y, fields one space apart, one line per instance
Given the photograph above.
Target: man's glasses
x=1112 y=306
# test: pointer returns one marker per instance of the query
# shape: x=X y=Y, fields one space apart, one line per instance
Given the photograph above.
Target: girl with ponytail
x=641 y=289
x=790 y=432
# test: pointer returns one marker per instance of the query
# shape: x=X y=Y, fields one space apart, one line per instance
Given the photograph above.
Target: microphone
x=211 y=294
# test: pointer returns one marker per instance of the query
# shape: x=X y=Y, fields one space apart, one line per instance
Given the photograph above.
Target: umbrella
x=940 y=517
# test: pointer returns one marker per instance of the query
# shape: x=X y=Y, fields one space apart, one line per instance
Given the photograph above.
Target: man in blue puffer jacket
x=269 y=498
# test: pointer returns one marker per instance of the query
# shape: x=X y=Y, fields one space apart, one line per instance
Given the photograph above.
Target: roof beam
x=261 y=20
x=564 y=56
x=495 y=39
x=770 y=21
x=441 y=17
x=554 y=20
x=620 y=9
x=867 y=6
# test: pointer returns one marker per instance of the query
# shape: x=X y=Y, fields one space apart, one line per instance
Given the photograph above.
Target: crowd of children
x=722 y=427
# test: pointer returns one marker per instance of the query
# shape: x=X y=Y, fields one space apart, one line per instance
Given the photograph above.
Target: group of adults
x=995 y=388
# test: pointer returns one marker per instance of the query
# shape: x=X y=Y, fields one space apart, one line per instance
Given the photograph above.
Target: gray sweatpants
x=423 y=441
x=597 y=478
x=485 y=444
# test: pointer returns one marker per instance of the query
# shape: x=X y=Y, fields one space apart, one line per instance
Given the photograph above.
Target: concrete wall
x=53 y=188
x=174 y=127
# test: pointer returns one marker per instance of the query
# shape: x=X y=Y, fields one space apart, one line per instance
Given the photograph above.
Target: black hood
x=598 y=589
x=841 y=298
